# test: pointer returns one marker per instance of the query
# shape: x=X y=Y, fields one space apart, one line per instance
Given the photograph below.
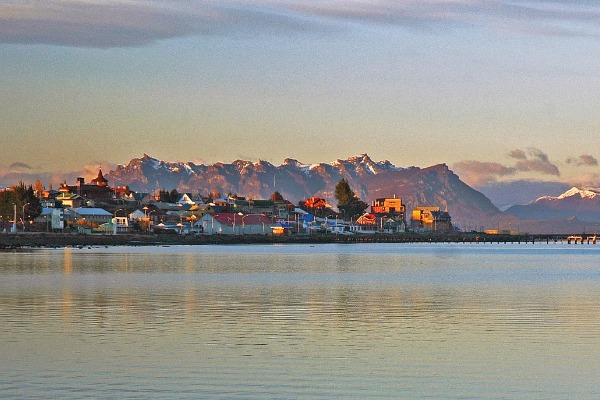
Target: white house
x=185 y=200
x=235 y=224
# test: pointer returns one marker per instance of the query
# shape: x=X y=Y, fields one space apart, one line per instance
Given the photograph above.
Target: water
x=411 y=321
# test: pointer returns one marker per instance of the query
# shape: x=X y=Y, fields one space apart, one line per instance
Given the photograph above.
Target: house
x=138 y=197
x=337 y=227
x=283 y=208
x=48 y=203
x=311 y=223
x=427 y=218
x=137 y=214
x=97 y=189
x=49 y=194
x=121 y=224
x=266 y=207
x=70 y=200
x=235 y=224
x=393 y=225
x=220 y=204
x=185 y=199
x=94 y=215
x=366 y=223
x=282 y=228
x=315 y=203
x=45 y=218
x=367 y=219
x=379 y=223
x=392 y=207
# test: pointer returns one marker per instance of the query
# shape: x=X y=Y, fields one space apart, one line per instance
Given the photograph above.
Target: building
x=94 y=215
x=97 y=189
x=315 y=203
x=70 y=200
x=391 y=207
x=379 y=223
x=426 y=218
x=235 y=224
x=185 y=199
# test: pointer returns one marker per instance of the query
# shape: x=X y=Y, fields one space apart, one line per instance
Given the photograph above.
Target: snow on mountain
x=435 y=185
x=583 y=193
x=583 y=204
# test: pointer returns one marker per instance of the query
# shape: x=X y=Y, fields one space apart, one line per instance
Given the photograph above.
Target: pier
x=22 y=240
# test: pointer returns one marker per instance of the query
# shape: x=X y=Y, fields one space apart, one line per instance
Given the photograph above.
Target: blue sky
x=499 y=90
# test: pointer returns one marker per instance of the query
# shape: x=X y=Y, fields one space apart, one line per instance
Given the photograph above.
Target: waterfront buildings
x=95 y=204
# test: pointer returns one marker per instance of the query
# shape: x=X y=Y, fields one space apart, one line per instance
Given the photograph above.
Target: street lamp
x=193 y=218
x=148 y=220
x=244 y=223
x=115 y=222
x=13 y=229
x=234 y=214
x=23 y=219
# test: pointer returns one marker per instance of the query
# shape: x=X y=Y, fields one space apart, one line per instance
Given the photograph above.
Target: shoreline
x=60 y=240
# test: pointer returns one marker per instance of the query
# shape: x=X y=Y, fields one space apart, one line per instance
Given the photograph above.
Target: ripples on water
x=330 y=321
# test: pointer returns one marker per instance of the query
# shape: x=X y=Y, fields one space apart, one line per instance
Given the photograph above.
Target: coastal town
x=95 y=207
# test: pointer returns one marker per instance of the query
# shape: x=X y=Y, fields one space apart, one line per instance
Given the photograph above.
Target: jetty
x=56 y=240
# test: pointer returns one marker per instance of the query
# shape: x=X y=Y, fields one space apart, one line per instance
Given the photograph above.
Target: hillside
x=435 y=185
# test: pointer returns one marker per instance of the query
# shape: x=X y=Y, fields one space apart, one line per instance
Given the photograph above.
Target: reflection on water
x=332 y=321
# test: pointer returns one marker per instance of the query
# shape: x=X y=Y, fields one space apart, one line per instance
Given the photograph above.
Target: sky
x=500 y=91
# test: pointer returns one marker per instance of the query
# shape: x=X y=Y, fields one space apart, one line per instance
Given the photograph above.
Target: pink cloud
x=477 y=173
x=585 y=160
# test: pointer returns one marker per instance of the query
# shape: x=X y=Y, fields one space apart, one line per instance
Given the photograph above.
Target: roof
x=255 y=203
x=100 y=179
x=83 y=211
x=248 y=219
x=63 y=196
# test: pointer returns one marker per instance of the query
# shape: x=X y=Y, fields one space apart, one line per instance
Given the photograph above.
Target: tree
x=168 y=197
x=348 y=203
x=25 y=200
x=316 y=206
x=38 y=187
x=276 y=196
x=163 y=196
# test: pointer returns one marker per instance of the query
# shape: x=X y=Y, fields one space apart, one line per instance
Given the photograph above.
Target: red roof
x=366 y=219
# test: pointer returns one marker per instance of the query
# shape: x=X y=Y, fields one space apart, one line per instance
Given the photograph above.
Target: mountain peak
x=583 y=193
x=364 y=158
x=574 y=192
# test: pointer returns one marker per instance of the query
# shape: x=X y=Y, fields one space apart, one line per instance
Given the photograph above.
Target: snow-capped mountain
x=435 y=185
x=581 y=203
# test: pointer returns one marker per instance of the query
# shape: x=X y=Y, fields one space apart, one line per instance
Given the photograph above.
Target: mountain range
x=436 y=185
x=582 y=204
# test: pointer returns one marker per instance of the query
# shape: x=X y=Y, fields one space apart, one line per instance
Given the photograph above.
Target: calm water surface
x=410 y=321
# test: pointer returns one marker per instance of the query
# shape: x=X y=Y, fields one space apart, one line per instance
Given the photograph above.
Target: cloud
x=477 y=173
x=19 y=166
x=22 y=172
x=583 y=160
x=518 y=154
x=536 y=161
x=480 y=174
x=123 y=23
x=506 y=194
x=585 y=180
x=126 y=23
